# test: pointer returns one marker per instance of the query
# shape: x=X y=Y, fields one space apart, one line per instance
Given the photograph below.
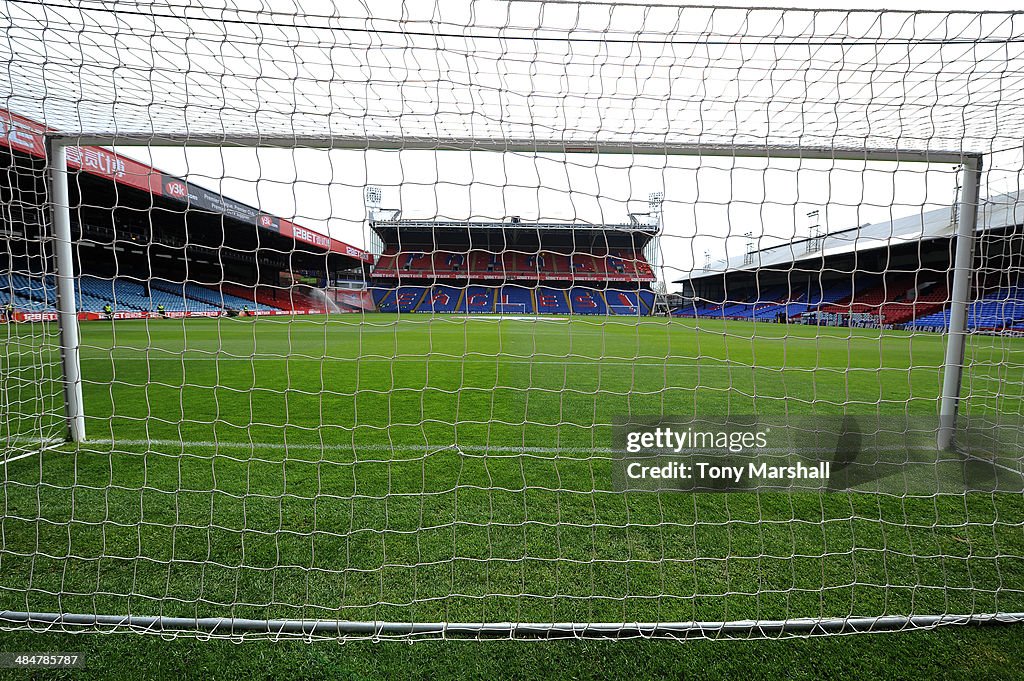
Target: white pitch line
x=12 y=459
x=719 y=364
x=379 y=447
x=231 y=444
x=44 y=445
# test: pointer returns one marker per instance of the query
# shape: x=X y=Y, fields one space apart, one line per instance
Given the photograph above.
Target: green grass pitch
x=305 y=468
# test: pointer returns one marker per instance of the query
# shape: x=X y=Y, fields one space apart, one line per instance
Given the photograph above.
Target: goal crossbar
x=518 y=145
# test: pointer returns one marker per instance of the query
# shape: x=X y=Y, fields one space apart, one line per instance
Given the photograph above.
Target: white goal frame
x=965 y=233
x=632 y=310
x=502 y=308
x=948 y=408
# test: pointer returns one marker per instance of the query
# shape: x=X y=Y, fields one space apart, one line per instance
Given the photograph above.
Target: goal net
x=759 y=369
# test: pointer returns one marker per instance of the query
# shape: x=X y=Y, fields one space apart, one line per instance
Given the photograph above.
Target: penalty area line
x=428 y=449
x=308 y=446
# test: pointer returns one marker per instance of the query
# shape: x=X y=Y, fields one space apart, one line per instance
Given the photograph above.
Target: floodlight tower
x=748 y=254
x=371 y=200
x=373 y=197
x=814 y=231
x=653 y=250
x=654 y=201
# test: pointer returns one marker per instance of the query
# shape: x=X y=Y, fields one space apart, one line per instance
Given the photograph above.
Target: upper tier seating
x=618 y=265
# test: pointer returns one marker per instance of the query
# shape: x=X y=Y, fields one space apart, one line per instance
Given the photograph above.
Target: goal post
x=60 y=212
x=963 y=268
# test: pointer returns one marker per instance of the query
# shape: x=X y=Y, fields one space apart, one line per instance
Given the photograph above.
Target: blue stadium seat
x=997 y=310
x=552 y=301
x=516 y=299
x=624 y=303
x=441 y=299
x=404 y=299
x=186 y=296
x=587 y=301
x=647 y=300
x=479 y=299
x=217 y=298
x=380 y=296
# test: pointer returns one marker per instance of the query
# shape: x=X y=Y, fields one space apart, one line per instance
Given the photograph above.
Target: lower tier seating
x=512 y=299
x=96 y=294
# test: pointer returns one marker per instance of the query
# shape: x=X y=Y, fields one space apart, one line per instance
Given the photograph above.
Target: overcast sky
x=549 y=70
x=711 y=202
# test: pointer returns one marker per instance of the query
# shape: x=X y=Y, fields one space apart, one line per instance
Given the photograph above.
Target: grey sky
x=545 y=70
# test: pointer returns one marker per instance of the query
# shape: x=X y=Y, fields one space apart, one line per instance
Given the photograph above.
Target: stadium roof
x=998 y=212
x=512 y=223
x=512 y=230
x=25 y=135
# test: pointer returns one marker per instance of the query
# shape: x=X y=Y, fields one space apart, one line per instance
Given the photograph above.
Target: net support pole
x=963 y=265
x=67 y=314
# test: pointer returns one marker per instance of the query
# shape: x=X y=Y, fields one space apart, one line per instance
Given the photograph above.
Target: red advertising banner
x=111 y=166
x=23 y=134
x=308 y=236
x=17 y=132
x=35 y=316
x=177 y=314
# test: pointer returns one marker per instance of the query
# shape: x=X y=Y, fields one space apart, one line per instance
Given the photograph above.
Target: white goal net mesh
x=411 y=323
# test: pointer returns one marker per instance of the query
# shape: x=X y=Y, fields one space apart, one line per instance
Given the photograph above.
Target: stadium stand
x=292 y=298
x=215 y=299
x=773 y=304
x=512 y=299
x=587 y=301
x=892 y=274
x=94 y=294
x=479 y=299
x=172 y=260
x=920 y=306
x=630 y=303
x=442 y=299
x=894 y=302
x=515 y=299
x=27 y=294
x=522 y=268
